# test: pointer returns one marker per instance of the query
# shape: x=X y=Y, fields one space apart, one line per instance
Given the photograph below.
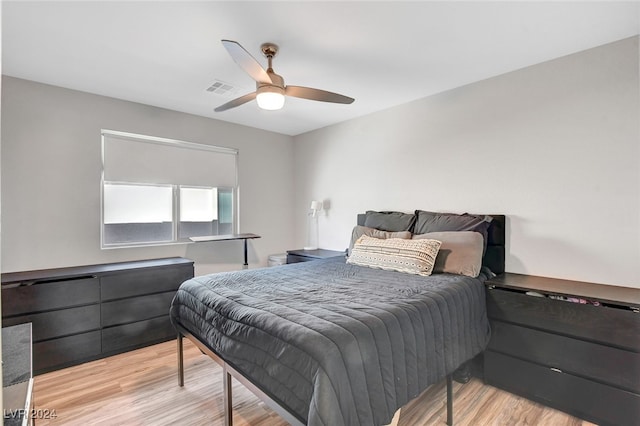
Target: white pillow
x=395 y=254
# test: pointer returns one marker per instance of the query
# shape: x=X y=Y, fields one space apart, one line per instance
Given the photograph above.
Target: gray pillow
x=460 y=252
x=359 y=231
x=389 y=221
x=439 y=222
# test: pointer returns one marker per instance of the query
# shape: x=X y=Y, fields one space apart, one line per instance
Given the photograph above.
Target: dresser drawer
x=610 y=326
x=606 y=364
x=23 y=298
x=144 y=281
x=137 y=334
x=583 y=398
x=54 y=353
x=52 y=324
x=136 y=308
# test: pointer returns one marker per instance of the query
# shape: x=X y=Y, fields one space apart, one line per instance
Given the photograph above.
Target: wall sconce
x=312 y=225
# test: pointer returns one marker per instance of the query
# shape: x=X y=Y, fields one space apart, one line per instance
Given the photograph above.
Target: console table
x=229 y=237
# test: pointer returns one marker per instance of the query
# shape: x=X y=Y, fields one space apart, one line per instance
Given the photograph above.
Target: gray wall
x=51 y=166
x=554 y=146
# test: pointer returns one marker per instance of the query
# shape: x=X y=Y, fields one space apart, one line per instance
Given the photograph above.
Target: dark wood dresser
x=579 y=358
x=88 y=312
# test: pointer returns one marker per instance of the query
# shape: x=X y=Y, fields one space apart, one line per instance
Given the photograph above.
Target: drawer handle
x=19 y=284
x=557 y=370
x=65 y=279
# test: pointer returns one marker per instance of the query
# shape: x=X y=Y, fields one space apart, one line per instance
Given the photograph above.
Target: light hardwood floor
x=141 y=388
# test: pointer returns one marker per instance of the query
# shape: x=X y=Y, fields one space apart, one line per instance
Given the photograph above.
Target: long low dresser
x=569 y=345
x=89 y=312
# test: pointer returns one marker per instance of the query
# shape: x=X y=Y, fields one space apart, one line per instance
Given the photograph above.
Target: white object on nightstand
x=312 y=226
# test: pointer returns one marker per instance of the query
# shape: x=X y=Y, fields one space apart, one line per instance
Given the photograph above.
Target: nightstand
x=581 y=358
x=296 y=256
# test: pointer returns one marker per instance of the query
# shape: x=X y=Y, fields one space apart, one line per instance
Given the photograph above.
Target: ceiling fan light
x=270 y=98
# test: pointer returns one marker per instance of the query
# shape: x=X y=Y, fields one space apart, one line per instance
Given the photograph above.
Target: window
x=161 y=191
x=205 y=211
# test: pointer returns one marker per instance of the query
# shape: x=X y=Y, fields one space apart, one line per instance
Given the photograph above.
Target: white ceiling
x=381 y=53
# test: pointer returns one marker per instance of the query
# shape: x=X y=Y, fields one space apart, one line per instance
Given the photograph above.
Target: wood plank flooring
x=141 y=388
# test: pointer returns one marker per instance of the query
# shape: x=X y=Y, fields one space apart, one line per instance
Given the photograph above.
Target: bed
x=333 y=343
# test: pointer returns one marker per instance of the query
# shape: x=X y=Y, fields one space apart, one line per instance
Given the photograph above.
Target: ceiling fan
x=270 y=88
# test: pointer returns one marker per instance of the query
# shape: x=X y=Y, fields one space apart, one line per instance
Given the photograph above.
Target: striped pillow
x=396 y=254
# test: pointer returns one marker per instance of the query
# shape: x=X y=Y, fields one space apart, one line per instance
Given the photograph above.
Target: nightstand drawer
x=590 y=400
x=297 y=256
x=591 y=360
x=294 y=258
x=610 y=326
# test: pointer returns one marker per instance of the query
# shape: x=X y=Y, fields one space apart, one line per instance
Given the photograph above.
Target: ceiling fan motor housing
x=277 y=82
x=270 y=96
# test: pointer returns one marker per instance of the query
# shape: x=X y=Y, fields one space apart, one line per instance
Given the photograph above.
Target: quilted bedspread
x=337 y=344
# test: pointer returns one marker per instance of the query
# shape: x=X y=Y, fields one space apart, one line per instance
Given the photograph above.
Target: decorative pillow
x=460 y=252
x=359 y=231
x=438 y=222
x=389 y=221
x=395 y=254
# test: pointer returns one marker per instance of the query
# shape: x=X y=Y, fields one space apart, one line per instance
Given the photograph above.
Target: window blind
x=127 y=158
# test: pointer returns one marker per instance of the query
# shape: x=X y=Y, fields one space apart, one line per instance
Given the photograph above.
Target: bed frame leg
x=180 y=362
x=449 y=400
x=228 y=398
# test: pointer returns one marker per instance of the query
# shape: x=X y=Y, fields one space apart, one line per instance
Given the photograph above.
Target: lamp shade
x=270 y=98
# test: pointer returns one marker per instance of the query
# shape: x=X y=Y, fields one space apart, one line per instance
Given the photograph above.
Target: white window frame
x=176 y=202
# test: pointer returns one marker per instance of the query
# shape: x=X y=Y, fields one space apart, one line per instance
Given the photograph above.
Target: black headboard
x=495 y=254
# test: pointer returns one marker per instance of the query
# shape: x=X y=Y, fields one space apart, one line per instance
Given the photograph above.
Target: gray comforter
x=337 y=344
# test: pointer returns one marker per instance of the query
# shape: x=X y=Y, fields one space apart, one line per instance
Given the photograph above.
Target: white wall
x=1 y=400
x=51 y=166
x=555 y=147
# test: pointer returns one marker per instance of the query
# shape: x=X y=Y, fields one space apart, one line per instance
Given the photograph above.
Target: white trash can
x=277 y=259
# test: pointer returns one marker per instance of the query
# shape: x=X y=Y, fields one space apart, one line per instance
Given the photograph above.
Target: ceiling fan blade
x=236 y=102
x=246 y=61
x=317 y=95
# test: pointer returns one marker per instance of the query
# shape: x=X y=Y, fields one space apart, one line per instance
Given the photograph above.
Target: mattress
x=335 y=343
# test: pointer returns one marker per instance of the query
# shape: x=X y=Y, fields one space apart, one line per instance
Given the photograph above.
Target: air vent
x=221 y=88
